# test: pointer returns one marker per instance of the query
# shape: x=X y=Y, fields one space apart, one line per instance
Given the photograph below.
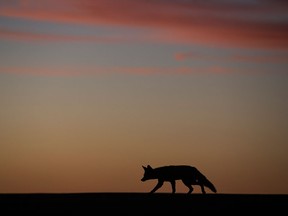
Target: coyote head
x=148 y=173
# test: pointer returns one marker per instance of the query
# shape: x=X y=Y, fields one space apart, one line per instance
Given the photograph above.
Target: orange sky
x=92 y=90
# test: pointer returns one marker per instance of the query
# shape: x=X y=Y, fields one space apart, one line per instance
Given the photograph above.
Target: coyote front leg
x=173 y=185
x=159 y=184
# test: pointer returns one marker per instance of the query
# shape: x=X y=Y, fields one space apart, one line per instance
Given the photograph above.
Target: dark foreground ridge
x=139 y=203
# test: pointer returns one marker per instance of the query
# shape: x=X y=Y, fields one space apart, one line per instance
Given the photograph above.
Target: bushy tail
x=208 y=184
x=202 y=178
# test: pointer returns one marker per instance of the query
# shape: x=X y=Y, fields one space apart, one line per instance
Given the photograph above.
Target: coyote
x=188 y=174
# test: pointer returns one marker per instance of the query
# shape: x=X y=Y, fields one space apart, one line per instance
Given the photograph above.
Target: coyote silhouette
x=188 y=174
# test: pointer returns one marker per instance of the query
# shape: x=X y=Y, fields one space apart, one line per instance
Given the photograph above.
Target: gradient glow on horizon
x=91 y=90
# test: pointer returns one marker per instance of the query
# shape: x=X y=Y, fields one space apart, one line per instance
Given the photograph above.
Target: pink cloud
x=68 y=71
x=9 y=34
x=40 y=71
x=261 y=59
x=223 y=23
x=181 y=56
x=275 y=58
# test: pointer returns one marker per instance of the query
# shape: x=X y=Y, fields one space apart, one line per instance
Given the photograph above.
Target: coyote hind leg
x=173 y=185
x=188 y=184
x=202 y=189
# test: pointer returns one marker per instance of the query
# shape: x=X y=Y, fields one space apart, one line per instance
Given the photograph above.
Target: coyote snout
x=143 y=179
x=188 y=174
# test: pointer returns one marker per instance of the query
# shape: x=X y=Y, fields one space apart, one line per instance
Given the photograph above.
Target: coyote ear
x=149 y=167
x=144 y=167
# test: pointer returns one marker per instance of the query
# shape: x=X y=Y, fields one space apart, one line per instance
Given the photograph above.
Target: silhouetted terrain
x=143 y=203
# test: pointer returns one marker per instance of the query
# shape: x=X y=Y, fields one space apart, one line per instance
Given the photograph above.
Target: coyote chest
x=189 y=175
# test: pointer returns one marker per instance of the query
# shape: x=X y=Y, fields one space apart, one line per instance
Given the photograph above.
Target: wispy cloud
x=12 y=34
x=72 y=71
x=261 y=59
x=258 y=24
x=272 y=58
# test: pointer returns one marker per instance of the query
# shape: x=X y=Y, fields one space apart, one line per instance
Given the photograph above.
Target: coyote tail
x=209 y=184
x=205 y=181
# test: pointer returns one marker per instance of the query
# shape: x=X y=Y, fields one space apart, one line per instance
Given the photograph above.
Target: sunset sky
x=91 y=90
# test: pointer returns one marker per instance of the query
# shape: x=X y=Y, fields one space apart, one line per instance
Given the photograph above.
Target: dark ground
x=143 y=203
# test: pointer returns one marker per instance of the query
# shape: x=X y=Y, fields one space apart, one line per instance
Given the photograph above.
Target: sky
x=92 y=90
